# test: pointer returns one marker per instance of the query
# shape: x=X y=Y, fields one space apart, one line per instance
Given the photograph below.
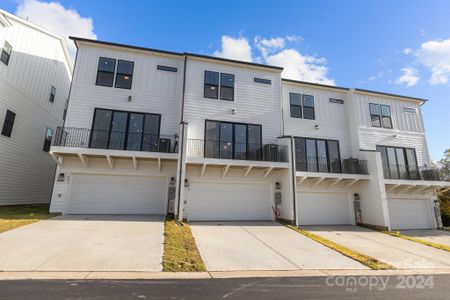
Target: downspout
x=294 y=181
x=181 y=148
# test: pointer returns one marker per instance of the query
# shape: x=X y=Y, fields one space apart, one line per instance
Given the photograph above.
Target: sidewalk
x=210 y=275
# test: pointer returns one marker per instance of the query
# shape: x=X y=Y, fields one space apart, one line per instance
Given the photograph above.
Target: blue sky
x=392 y=46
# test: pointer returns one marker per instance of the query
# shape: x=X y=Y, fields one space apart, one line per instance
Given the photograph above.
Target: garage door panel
x=324 y=208
x=407 y=213
x=229 y=202
x=114 y=194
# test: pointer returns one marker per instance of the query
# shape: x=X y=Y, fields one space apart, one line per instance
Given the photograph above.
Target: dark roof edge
x=233 y=61
x=316 y=84
x=173 y=53
x=124 y=46
x=390 y=94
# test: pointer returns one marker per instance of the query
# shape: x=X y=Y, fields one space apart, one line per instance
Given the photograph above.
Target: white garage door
x=324 y=208
x=229 y=201
x=111 y=194
x=407 y=213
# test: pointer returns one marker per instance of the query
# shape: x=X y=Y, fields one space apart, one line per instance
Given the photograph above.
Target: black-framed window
x=337 y=101
x=262 y=80
x=166 y=68
x=214 y=80
x=105 y=71
x=233 y=140
x=124 y=75
x=124 y=130
x=48 y=139
x=52 y=95
x=8 y=123
x=302 y=106
x=399 y=163
x=6 y=53
x=380 y=115
x=317 y=155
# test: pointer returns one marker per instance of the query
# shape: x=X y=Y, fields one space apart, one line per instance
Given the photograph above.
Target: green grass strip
x=423 y=242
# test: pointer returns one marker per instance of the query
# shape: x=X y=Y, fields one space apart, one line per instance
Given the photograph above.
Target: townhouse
x=206 y=138
x=35 y=74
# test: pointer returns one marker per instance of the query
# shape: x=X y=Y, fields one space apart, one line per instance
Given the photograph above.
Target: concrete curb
x=210 y=275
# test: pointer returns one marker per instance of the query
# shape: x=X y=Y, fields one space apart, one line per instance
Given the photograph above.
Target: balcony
x=404 y=172
x=326 y=165
x=114 y=140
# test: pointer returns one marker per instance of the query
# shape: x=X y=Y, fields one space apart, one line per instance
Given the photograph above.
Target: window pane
x=240 y=141
x=295 y=99
x=322 y=156
x=334 y=157
x=387 y=122
x=227 y=93
x=374 y=109
x=100 y=131
x=412 y=164
x=311 y=155
x=151 y=133
x=125 y=67
x=48 y=139
x=296 y=111
x=392 y=163
x=384 y=160
x=212 y=78
x=308 y=100
x=211 y=91
x=376 y=120
x=308 y=113
x=227 y=80
x=6 y=53
x=386 y=110
x=254 y=142
x=106 y=64
x=105 y=78
x=403 y=174
x=135 y=131
x=212 y=139
x=300 y=155
x=226 y=140
x=123 y=81
x=118 y=130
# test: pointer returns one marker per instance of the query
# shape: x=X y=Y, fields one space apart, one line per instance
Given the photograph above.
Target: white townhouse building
x=212 y=139
x=35 y=75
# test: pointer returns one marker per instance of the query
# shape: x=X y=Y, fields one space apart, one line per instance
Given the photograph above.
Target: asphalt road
x=364 y=287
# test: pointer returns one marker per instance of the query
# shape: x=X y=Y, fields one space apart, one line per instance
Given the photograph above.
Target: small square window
x=48 y=139
x=8 y=123
x=52 y=95
x=6 y=53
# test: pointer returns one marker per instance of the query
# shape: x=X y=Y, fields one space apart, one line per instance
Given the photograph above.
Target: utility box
x=277 y=198
x=171 y=200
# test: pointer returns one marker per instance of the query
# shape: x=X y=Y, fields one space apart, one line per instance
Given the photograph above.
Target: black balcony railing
x=326 y=165
x=240 y=151
x=114 y=140
x=393 y=171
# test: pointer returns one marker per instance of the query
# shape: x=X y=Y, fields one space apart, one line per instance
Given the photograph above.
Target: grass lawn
x=180 y=251
x=15 y=216
x=418 y=240
x=366 y=260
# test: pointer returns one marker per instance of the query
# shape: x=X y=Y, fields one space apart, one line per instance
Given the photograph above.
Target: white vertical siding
x=254 y=103
x=37 y=63
x=331 y=117
x=153 y=91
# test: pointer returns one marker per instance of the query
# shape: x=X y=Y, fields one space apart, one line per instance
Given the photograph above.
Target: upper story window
x=8 y=123
x=302 y=106
x=338 y=101
x=124 y=76
x=166 y=68
x=52 y=95
x=215 y=79
x=399 y=163
x=317 y=155
x=48 y=139
x=262 y=80
x=105 y=71
x=6 y=53
x=233 y=140
x=380 y=115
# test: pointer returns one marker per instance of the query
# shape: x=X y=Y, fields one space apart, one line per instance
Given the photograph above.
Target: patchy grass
x=180 y=251
x=366 y=260
x=420 y=241
x=15 y=216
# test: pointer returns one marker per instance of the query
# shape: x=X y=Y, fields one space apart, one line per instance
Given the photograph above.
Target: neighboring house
x=35 y=74
x=152 y=132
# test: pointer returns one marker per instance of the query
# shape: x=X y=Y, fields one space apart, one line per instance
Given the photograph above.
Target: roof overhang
x=421 y=101
x=420 y=187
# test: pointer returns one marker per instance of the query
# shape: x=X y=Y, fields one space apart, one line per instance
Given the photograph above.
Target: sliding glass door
x=317 y=155
x=399 y=163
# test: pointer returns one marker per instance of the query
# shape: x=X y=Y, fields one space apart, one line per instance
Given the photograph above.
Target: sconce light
x=172 y=180
x=394 y=136
x=61 y=177
x=316 y=126
x=129 y=99
x=277 y=185
x=186 y=183
x=233 y=111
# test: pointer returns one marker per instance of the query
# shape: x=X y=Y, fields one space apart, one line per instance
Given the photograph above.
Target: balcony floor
x=402 y=186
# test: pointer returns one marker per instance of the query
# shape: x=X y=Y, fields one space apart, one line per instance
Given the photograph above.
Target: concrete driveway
x=267 y=245
x=434 y=236
x=398 y=252
x=85 y=243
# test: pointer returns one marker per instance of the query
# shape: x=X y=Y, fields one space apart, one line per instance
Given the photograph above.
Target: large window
x=233 y=140
x=124 y=76
x=317 y=155
x=302 y=106
x=399 y=163
x=380 y=115
x=6 y=53
x=122 y=130
x=48 y=139
x=105 y=72
x=214 y=80
x=8 y=123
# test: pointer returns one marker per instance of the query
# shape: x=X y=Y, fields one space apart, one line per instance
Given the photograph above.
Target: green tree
x=443 y=195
